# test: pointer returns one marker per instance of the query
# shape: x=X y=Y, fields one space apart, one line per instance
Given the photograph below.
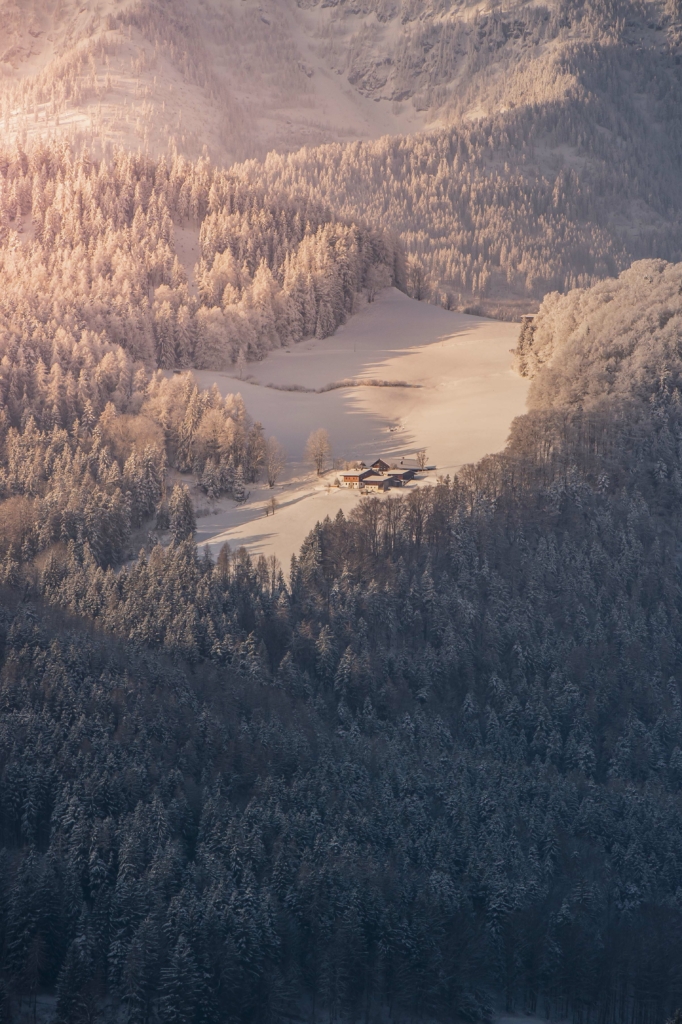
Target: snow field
x=461 y=400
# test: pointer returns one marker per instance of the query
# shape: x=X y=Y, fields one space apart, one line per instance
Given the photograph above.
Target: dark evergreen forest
x=435 y=771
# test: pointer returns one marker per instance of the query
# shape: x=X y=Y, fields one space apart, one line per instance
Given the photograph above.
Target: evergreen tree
x=239 y=490
x=141 y=973
x=180 y=997
x=182 y=520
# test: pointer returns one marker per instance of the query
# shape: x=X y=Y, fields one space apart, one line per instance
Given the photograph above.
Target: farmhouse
x=379 y=477
x=376 y=483
x=354 y=477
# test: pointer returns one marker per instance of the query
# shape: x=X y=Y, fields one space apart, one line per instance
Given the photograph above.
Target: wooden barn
x=399 y=477
x=376 y=482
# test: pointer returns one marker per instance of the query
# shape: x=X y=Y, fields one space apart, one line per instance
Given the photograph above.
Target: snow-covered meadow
x=457 y=396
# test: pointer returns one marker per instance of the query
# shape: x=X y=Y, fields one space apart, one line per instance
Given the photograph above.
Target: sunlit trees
x=318 y=449
x=616 y=339
x=271 y=269
x=88 y=464
x=275 y=460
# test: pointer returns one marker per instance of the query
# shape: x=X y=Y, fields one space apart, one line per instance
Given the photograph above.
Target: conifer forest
x=429 y=771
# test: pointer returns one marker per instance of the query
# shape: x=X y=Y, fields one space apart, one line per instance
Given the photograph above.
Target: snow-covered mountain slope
x=238 y=77
x=246 y=76
x=550 y=136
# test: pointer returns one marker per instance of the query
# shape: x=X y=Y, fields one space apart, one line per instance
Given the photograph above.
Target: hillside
x=617 y=341
x=515 y=151
x=434 y=774
x=247 y=78
x=553 y=163
x=236 y=78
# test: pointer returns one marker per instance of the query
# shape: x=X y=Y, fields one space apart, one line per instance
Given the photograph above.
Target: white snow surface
x=460 y=405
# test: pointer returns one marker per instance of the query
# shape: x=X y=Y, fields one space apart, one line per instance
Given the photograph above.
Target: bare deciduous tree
x=416 y=277
x=318 y=449
x=275 y=460
x=421 y=458
x=378 y=277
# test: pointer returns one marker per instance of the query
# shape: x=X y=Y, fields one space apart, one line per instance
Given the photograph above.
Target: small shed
x=398 y=477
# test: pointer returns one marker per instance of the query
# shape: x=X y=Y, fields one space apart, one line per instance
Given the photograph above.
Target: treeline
x=619 y=339
x=436 y=770
x=88 y=439
x=97 y=253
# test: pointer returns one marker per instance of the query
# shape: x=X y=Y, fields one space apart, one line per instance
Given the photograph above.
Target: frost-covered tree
x=182 y=520
x=275 y=460
x=318 y=449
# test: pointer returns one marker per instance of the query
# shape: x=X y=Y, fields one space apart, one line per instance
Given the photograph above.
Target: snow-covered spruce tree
x=180 y=986
x=238 y=488
x=182 y=520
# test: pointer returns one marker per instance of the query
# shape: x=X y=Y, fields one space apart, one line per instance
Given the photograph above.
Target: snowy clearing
x=461 y=399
